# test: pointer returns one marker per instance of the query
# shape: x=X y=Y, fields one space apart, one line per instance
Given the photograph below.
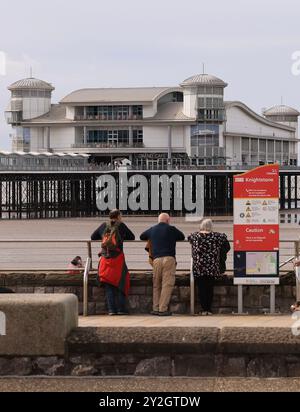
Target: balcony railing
x=100 y=117
x=107 y=145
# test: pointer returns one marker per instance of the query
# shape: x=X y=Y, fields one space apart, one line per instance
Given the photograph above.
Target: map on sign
x=261 y=263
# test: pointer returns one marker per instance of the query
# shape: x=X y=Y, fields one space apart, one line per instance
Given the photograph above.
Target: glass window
x=218 y=103
x=262 y=145
x=285 y=147
x=194 y=141
x=26 y=134
x=137 y=135
x=209 y=151
x=278 y=147
x=218 y=90
x=17 y=93
x=91 y=111
x=137 y=112
x=201 y=114
x=177 y=97
x=123 y=136
x=254 y=145
x=201 y=102
x=97 y=136
x=245 y=144
x=271 y=147
x=201 y=151
x=209 y=140
x=209 y=102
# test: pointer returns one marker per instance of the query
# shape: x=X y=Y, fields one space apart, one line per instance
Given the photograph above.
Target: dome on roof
x=31 y=83
x=203 y=80
x=281 y=110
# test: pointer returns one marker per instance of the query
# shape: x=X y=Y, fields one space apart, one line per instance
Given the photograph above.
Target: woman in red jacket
x=112 y=269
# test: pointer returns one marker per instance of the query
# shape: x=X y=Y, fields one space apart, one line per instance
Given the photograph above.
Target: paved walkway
x=132 y=384
x=219 y=321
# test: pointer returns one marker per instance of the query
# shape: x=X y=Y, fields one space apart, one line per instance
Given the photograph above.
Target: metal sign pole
x=240 y=299
x=192 y=289
x=272 y=298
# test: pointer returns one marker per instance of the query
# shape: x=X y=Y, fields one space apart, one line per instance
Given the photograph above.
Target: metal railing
x=108 y=145
x=88 y=267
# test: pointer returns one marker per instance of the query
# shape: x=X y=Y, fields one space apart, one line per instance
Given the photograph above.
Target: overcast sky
x=95 y=43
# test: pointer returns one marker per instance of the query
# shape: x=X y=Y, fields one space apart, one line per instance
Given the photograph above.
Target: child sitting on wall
x=76 y=263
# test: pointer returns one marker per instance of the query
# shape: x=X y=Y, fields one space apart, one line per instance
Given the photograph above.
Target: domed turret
x=281 y=111
x=203 y=80
x=31 y=84
x=283 y=114
x=204 y=97
x=30 y=98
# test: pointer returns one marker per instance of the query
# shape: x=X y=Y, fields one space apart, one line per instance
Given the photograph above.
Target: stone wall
x=256 y=298
x=202 y=352
x=206 y=365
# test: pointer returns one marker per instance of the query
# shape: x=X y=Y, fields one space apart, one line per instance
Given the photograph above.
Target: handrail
x=287 y=261
x=88 y=265
x=85 y=286
x=89 y=243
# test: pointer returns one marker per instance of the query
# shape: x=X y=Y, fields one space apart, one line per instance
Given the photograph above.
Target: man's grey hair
x=206 y=225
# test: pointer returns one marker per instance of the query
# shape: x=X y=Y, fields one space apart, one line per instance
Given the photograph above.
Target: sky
x=94 y=43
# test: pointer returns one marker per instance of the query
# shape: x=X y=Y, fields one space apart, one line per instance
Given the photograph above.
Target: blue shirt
x=163 y=238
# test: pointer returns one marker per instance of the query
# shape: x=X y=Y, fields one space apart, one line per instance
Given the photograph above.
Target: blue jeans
x=116 y=300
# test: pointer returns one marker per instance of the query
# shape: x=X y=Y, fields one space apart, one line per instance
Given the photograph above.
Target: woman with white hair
x=209 y=251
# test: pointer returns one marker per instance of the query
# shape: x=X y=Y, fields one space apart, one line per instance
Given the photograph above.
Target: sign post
x=256 y=230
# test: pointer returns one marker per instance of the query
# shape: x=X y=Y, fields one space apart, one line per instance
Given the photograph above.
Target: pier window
x=31 y=93
x=108 y=137
x=121 y=112
x=270 y=150
x=137 y=135
x=123 y=136
x=137 y=112
x=204 y=141
x=97 y=136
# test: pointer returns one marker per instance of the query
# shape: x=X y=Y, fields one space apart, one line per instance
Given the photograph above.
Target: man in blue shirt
x=163 y=238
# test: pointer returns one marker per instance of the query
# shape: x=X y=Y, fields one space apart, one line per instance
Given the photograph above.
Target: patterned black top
x=206 y=250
